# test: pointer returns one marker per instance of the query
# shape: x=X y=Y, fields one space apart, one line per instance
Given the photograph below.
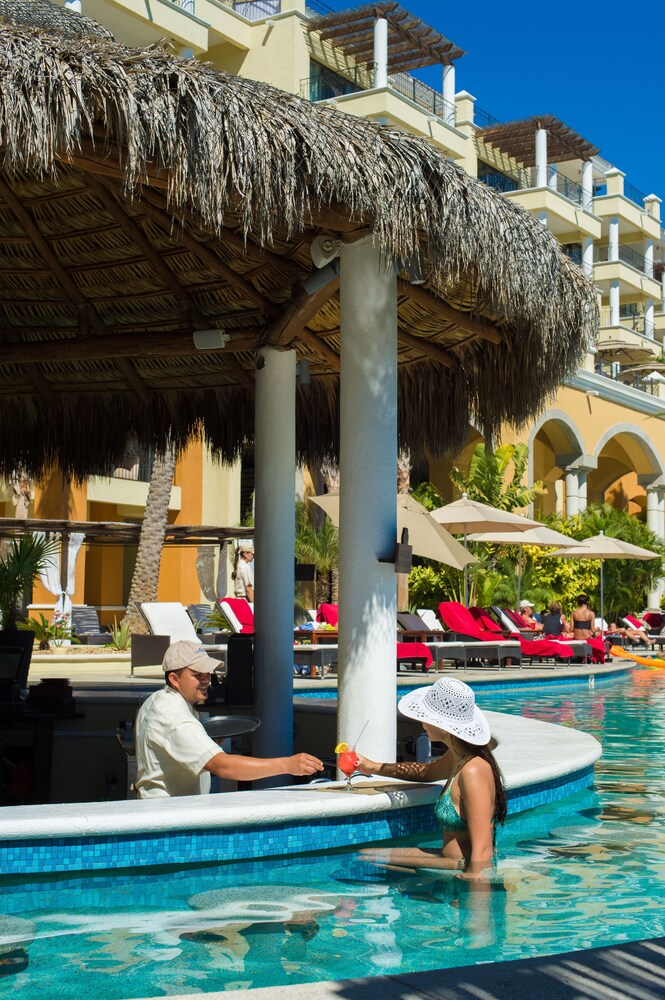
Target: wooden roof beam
x=302 y=308
x=426 y=347
x=245 y=288
x=438 y=307
x=138 y=238
x=67 y=283
x=114 y=347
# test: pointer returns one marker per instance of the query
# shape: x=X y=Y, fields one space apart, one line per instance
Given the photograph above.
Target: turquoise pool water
x=585 y=872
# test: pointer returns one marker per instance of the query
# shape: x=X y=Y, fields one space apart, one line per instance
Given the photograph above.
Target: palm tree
x=318 y=545
x=151 y=540
x=486 y=479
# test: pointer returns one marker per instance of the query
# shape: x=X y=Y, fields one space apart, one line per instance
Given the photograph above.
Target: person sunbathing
x=635 y=635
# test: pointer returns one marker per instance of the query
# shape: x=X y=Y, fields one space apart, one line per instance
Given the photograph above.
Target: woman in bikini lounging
x=473 y=800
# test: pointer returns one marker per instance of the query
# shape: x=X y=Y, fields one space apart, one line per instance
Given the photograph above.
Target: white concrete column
x=587 y=255
x=368 y=501
x=614 y=239
x=587 y=186
x=581 y=491
x=662 y=291
x=449 y=93
x=559 y=498
x=541 y=157
x=648 y=259
x=648 y=319
x=572 y=493
x=614 y=303
x=275 y=464
x=552 y=179
x=656 y=523
x=380 y=52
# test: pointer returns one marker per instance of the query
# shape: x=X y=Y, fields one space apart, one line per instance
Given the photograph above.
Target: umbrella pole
x=466 y=578
x=602 y=596
x=519 y=578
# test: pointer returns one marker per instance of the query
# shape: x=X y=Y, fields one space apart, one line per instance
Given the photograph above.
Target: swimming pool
x=581 y=873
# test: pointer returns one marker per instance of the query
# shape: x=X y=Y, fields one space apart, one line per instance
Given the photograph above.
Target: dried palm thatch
x=144 y=197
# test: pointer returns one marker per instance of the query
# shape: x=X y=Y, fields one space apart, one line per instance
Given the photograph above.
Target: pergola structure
x=411 y=43
x=518 y=139
x=160 y=230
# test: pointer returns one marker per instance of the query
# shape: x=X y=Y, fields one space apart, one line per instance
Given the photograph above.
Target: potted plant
x=19 y=568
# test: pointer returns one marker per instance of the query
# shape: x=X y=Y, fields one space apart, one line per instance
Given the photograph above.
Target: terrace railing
x=569 y=189
x=326 y=86
x=634 y=194
x=420 y=93
x=628 y=256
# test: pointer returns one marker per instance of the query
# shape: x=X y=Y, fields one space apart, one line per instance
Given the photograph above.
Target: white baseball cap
x=526 y=604
x=188 y=654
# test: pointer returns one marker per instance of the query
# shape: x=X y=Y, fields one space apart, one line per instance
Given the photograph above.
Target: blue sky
x=523 y=61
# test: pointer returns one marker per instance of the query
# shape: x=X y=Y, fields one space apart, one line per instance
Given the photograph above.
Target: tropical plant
x=627 y=581
x=48 y=630
x=151 y=540
x=19 y=568
x=121 y=635
x=217 y=620
x=317 y=544
x=487 y=479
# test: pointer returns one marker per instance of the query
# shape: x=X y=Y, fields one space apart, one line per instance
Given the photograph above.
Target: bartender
x=174 y=754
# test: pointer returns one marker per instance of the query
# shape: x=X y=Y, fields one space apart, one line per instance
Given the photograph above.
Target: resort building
x=601 y=438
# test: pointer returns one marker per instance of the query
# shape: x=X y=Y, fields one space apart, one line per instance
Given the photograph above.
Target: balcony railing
x=499 y=181
x=646 y=381
x=569 y=189
x=634 y=194
x=420 y=93
x=483 y=119
x=325 y=86
x=628 y=256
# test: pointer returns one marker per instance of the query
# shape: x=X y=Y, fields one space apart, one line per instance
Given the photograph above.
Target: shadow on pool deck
x=625 y=972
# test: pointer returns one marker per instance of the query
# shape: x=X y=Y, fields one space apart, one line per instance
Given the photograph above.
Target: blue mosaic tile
x=185 y=846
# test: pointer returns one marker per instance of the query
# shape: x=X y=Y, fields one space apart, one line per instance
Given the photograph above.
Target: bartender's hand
x=302 y=764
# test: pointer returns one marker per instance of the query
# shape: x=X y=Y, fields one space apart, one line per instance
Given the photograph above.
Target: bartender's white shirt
x=172 y=748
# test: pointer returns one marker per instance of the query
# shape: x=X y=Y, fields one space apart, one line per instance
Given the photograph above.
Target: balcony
x=135 y=23
x=629 y=271
x=562 y=200
x=406 y=102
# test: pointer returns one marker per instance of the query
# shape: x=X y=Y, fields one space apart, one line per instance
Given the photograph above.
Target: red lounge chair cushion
x=328 y=613
x=459 y=619
x=241 y=609
x=635 y=622
x=484 y=620
x=411 y=650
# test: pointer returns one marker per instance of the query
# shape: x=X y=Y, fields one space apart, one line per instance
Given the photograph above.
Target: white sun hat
x=450 y=705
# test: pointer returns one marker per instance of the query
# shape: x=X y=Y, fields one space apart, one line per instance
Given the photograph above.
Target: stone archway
x=556 y=457
x=627 y=463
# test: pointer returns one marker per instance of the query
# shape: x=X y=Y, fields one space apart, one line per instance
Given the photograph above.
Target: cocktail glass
x=347 y=762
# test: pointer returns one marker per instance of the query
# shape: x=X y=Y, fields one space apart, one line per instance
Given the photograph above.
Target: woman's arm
x=476 y=786
x=437 y=770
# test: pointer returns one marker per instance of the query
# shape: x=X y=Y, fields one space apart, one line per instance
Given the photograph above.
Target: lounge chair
x=168 y=618
x=461 y=622
x=416 y=626
x=430 y=619
x=239 y=613
x=406 y=653
x=638 y=625
x=86 y=627
x=208 y=634
x=328 y=614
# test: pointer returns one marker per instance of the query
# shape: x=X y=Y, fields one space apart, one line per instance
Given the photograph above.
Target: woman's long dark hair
x=484 y=752
x=236 y=557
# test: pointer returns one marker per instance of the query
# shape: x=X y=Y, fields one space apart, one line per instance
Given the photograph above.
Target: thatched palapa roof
x=144 y=197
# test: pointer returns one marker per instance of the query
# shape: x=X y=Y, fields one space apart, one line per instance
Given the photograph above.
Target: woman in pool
x=473 y=800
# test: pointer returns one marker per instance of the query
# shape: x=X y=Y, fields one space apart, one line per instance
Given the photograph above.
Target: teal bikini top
x=445 y=811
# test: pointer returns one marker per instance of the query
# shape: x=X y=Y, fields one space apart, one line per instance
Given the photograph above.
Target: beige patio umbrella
x=427 y=538
x=463 y=516
x=601 y=547
x=541 y=536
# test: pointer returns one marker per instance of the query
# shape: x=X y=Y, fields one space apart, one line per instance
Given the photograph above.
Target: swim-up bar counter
x=541 y=763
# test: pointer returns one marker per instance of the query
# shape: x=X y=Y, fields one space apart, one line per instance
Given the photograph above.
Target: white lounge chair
x=170 y=618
